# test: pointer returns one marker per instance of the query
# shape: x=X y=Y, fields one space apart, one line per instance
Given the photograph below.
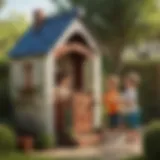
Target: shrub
x=43 y=141
x=6 y=108
x=27 y=124
x=151 y=141
x=7 y=139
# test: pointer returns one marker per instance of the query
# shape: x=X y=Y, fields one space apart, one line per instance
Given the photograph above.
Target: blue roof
x=37 y=42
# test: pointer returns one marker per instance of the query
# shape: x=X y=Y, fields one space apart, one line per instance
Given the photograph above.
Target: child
x=112 y=102
x=63 y=95
x=132 y=113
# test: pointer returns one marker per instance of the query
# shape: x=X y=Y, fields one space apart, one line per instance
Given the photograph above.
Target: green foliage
x=10 y=31
x=112 y=17
x=2 y=3
x=120 y=20
x=6 y=110
x=44 y=141
x=19 y=156
x=150 y=16
x=152 y=141
x=61 y=5
x=117 y=23
x=7 y=139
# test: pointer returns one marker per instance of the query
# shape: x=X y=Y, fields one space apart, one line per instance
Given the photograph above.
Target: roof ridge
x=30 y=44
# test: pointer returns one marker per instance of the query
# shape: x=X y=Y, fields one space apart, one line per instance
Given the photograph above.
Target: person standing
x=111 y=101
x=132 y=110
x=63 y=106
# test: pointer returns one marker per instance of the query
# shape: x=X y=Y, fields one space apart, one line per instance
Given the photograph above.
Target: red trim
x=74 y=47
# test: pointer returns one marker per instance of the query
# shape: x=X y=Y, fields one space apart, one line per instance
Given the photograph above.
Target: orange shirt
x=111 y=102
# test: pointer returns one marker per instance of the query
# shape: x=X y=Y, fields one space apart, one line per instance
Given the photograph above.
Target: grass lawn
x=19 y=157
x=25 y=157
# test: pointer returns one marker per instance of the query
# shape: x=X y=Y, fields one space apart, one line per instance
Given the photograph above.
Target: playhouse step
x=64 y=139
x=86 y=140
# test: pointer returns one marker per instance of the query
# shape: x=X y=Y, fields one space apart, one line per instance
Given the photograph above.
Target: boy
x=112 y=101
x=132 y=116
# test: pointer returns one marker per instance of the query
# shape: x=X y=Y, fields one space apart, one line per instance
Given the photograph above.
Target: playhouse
x=53 y=44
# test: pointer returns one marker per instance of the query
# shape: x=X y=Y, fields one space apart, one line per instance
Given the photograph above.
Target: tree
x=10 y=30
x=2 y=2
x=61 y=5
x=116 y=23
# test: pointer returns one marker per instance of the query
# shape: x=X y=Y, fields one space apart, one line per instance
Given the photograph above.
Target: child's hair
x=114 y=78
x=134 y=77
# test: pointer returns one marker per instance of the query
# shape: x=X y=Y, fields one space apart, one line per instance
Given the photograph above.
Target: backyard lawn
x=19 y=157
x=25 y=157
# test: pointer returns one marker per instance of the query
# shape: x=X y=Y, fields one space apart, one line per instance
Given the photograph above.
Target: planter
x=26 y=143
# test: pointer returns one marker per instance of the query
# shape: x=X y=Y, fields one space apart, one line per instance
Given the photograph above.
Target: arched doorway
x=70 y=58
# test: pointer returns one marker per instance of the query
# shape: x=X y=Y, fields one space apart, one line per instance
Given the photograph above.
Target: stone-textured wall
x=28 y=103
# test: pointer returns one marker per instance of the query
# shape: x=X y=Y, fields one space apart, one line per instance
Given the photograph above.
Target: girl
x=132 y=110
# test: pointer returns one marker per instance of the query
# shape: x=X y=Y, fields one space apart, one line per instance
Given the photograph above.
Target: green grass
x=17 y=156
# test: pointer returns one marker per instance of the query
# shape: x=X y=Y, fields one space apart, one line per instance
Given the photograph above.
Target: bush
x=27 y=124
x=6 y=108
x=7 y=139
x=135 y=158
x=44 y=141
x=151 y=141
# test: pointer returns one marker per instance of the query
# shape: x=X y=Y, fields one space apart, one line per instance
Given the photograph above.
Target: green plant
x=44 y=141
x=151 y=141
x=7 y=139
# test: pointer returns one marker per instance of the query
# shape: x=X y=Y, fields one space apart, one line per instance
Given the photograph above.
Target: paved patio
x=114 y=148
x=117 y=148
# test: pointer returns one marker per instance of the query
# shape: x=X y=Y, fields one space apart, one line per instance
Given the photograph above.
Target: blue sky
x=26 y=7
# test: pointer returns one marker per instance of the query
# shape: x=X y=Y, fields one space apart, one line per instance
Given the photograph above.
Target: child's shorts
x=133 y=120
x=114 y=120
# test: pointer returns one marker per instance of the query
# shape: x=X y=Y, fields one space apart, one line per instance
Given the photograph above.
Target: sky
x=26 y=7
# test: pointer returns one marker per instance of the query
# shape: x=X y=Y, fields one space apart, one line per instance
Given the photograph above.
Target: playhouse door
x=59 y=120
x=83 y=113
x=64 y=124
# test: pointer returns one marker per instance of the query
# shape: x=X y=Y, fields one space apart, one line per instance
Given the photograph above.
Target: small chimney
x=39 y=17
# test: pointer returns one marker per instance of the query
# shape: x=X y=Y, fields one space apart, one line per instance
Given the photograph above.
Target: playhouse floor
x=113 y=148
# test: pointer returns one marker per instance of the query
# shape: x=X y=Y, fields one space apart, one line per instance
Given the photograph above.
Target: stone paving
x=117 y=148
x=113 y=148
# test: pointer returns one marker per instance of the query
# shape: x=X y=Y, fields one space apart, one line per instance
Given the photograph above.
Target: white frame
x=76 y=27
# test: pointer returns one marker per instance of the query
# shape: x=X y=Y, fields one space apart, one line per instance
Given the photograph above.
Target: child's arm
x=129 y=100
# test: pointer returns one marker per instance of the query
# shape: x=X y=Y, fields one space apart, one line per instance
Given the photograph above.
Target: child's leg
x=115 y=122
x=111 y=123
x=133 y=121
x=112 y=126
x=109 y=127
x=122 y=124
x=136 y=132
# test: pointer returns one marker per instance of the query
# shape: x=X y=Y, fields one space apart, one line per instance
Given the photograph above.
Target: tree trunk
x=116 y=52
x=158 y=82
